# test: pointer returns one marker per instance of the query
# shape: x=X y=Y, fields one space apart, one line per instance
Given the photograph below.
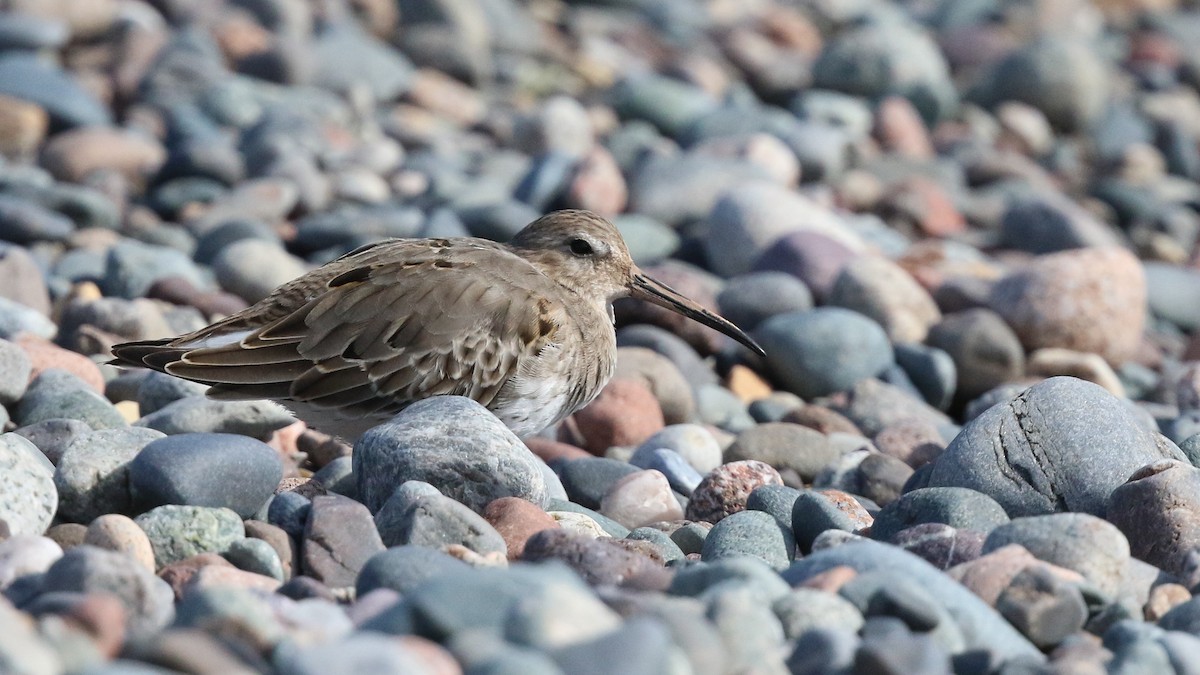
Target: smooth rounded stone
x=883 y=593
x=545 y=180
x=115 y=532
x=881 y=290
x=931 y=370
x=877 y=58
x=805 y=609
x=435 y=521
x=940 y=545
x=981 y=627
x=815 y=512
x=452 y=443
x=180 y=532
x=640 y=498
x=559 y=123
x=26 y=554
x=338 y=476
x=745 y=223
x=777 y=500
x=148 y=600
x=680 y=353
x=16 y=319
x=640 y=646
x=1173 y=294
x=257 y=556
x=625 y=413
x=92 y=476
x=29 y=496
x=1062 y=444
x=726 y=488
x=158 y=390
x=231 y=610
x=823 y=650
x=1077 y=541
x=560 y=614
x=669 y=104
x=289 y=511
x=751 y=633
x=785 y=446
x=690 y=536
x=1036 y=74
x=345 y=55
x=666 y=547
x=599 y=562
x=749 y=299
x=608 y=526
x=23 y=221
x=1156 y=509
x=775 y=406
x=405 y=568
x=56 y=394
x=824 y=350
x=957 y=507
x=876 y=476
x=985 y=351
x=517 y=520
x=680 y=475
x=201 y=415
x=721 y=408
x=649 y=241
x=27 y=285
x=252 y=268
x=339 y=538
x=813 y=257
x=1043 y=607
x=581 y=524
x=218 y=470
x=1136 y=646
x=15 y=370
x=699 y=579
x=754 y=533
x=873 y=405
x=1049 y=223
x=588 y=479
x=355 y=653
x=132 y=268
x=1060 y=300
x=662 y=377
x=74 y=154
x=26 y=77
x=691 y=441
x=1054 y=361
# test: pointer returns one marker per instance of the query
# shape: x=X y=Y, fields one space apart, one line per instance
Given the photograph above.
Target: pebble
x=56 y=394
x=438 y=522
x=824 y=350
x=1156 y=500
x=881 y=290
x=932 y=372
x=339 y=538
x=148 y=600
x=252 y=268
x=1077 y=541
x=255 y=556
x=986 y=352
x=691 y=441
x=599 y=561
x=641 y=498
x=940 y=545
x=28 y=490
x=750 y=533
x=69 y=105
x=180 y=532
x=199 y=415
x=785 y=446
x=92 y=476
x=453 y=444
x=681 y=476
x=625 y=413
x=957 y=507
x=516 y=520
x=215 y=470
x=15 y=371
x=662 y=377
x=1044 y=608
x=1059 y=299
x=725 y=489
x=1057 y=432
x=26 y=554
x=119 y=533
x=815 y=512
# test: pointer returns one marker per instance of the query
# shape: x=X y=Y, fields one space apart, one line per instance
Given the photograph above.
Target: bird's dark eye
x=581 y=247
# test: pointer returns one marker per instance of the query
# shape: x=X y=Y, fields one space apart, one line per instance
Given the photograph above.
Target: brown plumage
x=524 y=328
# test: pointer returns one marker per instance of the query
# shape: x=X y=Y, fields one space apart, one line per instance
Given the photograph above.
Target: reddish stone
x=179 y=574
x=517 y=520
x=45 y=355
x=725 y=489
x=625 y=414
x=900 y=129
x=549 y=450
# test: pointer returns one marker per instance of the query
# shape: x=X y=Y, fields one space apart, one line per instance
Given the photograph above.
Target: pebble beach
x=965 y=233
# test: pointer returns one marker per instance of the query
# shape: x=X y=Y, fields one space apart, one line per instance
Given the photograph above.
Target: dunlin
x=524 y=328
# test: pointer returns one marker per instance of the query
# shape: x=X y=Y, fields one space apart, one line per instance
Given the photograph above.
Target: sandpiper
x=524 y=328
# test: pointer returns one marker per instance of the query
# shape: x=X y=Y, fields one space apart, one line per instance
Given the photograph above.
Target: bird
x=525 y=328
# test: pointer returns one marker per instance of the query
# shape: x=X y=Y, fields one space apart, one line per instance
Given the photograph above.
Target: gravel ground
x=966 y=234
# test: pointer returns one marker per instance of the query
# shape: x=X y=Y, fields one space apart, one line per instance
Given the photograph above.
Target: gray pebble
x=255 y=555
x=58 y=394
x=28 y=495
x=750 y=533
x=454 y=444
x=92 y=476
x=86 y=569
x=15 y=368
x=435 y=521
x=957 y=507
x=199 y=415
x=217 y=470
x=178 y=532
x=823 y=350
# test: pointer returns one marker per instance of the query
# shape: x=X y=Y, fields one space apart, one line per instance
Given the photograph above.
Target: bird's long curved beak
x=645 y=288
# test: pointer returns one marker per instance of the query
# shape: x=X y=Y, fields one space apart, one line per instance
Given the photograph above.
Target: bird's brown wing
x=375 y=330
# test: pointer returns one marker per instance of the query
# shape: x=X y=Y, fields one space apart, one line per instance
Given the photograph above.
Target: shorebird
x=524 y=328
